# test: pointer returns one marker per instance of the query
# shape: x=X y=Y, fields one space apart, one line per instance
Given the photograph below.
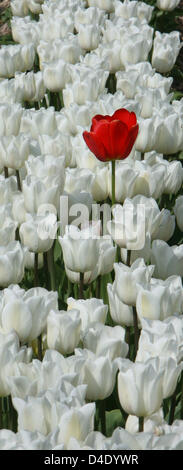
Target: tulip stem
x=81 y=286
x=98 y=287
x=39 y=340
x=141 y=423
x=127 y=339
x=51 y=269
x=1 y=413
x=35 y=269
x=113 y=182
x=18 y=181
x=102 y=416
x=172 y=407
x=142 y=156
x=128 y=257
x=136 y=330
x=6 y=172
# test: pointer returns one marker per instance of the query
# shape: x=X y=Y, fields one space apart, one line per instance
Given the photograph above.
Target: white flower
x=91 y=311
x=127 y=280
x=89 y=36
x=36 y=193
x=16 y=58
x=165 y=51
x=50 y=169
x=160 y=299
x=10 y=355
x=63 y=331
x=31 y=86
x=167 y=259
x=140 y=387
x=38 y=232
x=80 y=248
x=14 y=150
x=38 y=122
x=98 y=373
x=121 y=313
x=12 y=262
x=167 y=5
x=106 y=341
x=10 y=118
x=55 y=75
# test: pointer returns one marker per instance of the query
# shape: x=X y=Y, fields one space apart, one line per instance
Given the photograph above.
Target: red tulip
x=112 y=137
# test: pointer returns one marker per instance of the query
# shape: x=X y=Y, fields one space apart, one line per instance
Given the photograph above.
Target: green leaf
x=113 y=420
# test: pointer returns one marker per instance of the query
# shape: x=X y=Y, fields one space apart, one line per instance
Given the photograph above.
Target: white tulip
x=19 y=8
x=38 y=232
x=168 y=137
x=63 y=331
x=9 y=125
x=80 y=248
x=106 y=341
x=31 y=85
x=98 y=373
x=107 y=5
x=167 y=5
x=14 y=150
x=50 y=169
x=165 y=51
x=121 y=313
x=10 y=355
x=127 y=228
x=66 y=49
x=38 y=122
x=36 y=193
x=167 y=259
x=127 y=280
x=25 y=31
x=142 y=381
x=78 y=179
x=16 y=58
x=160 y=299
x=12 y=263
x=55 y=75
x=89 y=16
x=91 y=311
x=89 y=36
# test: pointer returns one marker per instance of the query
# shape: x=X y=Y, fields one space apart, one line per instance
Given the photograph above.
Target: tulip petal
x=125 y=116
x=118 y=132
x=131 y=140
x=95 y=145
x=96 y=119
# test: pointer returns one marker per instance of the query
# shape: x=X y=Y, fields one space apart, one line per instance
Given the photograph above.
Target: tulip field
x=91 y=225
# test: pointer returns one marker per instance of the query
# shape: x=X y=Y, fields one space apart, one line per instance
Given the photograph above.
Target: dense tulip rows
x=91 y=301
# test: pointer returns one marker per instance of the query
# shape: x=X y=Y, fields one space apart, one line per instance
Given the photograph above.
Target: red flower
x=112 y=137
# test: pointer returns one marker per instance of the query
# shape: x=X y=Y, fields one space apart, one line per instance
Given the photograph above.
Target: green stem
x=136 y=330
x=36 y=270
x=141 y=424
x=6 y=172
x=81 y=286
x=102 y=416
x=128 y=257
x=51 y=268
x=113 y=182
x=98 y=287
x=181 y=412
x=127 y=339
x=18 y=180
x=1 y=413
x=172 y=407
x=142 y=156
